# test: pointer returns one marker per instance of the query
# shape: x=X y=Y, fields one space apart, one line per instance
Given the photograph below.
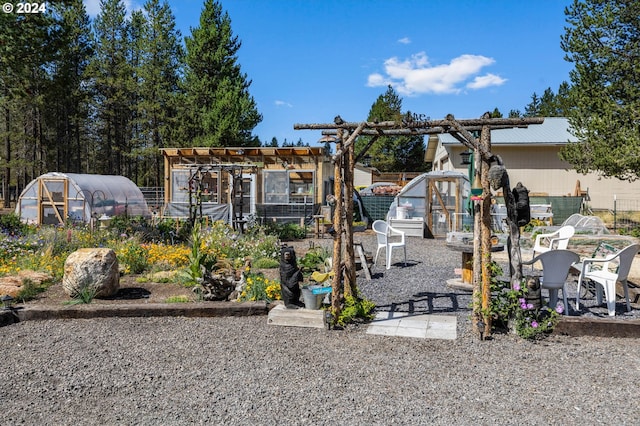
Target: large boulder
x=95 y=268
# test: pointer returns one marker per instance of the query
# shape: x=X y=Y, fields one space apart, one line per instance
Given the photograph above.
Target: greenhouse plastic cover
x=88 y=194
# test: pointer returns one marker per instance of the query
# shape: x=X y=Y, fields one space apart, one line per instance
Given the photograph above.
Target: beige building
x=531 y=157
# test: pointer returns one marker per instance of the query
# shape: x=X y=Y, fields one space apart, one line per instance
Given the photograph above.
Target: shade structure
x=54 y=198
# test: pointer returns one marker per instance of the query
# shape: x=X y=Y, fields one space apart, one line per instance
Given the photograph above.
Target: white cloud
x=417 y=75
x=405 y=40
x=283 y=103
x=487 y=80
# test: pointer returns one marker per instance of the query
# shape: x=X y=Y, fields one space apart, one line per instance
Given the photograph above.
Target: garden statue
x=290 y=276
x=521 y=195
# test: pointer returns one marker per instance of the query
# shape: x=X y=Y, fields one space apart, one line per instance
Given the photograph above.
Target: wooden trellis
x=345 y=158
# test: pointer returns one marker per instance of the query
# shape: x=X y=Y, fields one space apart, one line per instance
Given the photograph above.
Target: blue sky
x=312 y=60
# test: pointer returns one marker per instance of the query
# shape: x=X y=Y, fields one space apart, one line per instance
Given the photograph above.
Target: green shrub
x=30 y=290
x=286 y=231
x=265 y=263
x=314 y=260
x=355 y=308
x=11 y=224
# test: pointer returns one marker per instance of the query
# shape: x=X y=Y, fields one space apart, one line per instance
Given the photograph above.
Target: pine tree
x=111 y=77
x=26 y=52
x=68 y=98
x=392 y=153
x=158 y=72
x=603 y=41
x=219 y=109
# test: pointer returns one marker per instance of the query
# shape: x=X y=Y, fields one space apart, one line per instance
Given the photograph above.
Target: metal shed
x=54 y=198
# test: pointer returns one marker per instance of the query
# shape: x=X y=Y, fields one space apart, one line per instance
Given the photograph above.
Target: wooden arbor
x=345 y=158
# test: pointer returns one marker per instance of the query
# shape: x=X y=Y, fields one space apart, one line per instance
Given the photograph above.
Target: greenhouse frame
x=432 y=204
x=54 y=198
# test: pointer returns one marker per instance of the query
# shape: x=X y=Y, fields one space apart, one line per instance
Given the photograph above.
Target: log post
x=485 y=238
x=336 y=293
x=478 y=319
x=350 y=265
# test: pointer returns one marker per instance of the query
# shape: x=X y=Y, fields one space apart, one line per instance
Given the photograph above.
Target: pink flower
x=559 y=309
x=516 y=287
x=529 y=306
x=534 y=324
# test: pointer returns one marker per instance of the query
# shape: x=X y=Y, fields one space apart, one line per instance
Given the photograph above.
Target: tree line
x=102 y=96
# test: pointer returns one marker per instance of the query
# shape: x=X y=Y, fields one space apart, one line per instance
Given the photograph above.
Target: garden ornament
x=290 y=276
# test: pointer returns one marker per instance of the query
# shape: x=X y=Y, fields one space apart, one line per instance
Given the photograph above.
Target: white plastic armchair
x=388 y=239
x=614 y=269
x=558 y=240
x=555 y=270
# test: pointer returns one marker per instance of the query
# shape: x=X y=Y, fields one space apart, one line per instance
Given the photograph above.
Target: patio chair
x=558 y=240
x=615 y=269
x=388 y=239
x=555 y=270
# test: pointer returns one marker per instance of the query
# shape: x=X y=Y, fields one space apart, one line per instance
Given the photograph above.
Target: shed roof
x=553 y=131
x=242 y=151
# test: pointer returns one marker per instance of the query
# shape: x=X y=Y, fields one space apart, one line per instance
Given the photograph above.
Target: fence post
x=615 y=212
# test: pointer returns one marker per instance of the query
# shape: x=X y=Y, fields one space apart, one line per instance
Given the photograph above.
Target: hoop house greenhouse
x=54 y=197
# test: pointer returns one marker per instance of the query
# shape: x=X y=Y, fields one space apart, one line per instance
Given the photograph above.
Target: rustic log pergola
x=345 y=159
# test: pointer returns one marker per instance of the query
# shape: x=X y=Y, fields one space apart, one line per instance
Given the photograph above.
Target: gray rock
x=95 y=268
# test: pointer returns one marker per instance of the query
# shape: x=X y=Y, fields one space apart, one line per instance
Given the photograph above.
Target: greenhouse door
x=52 y=193
x=444 y=200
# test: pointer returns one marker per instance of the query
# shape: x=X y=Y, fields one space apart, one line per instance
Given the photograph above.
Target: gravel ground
x=242 y=371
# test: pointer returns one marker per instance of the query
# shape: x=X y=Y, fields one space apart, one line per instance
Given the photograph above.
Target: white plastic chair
x=558 y=240
x=608 y=276
x=388 y=239
x=555 y=270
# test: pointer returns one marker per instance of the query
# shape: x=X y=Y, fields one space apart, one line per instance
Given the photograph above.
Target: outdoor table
x=467 y=262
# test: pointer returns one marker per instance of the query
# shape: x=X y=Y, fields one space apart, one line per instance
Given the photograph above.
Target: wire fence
x=626 y=214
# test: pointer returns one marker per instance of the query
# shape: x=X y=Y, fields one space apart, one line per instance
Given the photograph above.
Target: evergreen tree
x=219 y=109
x=392 y=153
x=274 y=142
x=159 y=71
x=110 y=74
x=603 y=41
x=496 y=113
x=26 y=52
x=533 y=109
x=68 y=98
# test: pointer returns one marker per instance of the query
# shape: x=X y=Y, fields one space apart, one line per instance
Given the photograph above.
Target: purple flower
x=529 y=306
x=523 y=306
x=522 y=301
x=534 y=324
x=559 y=309
x=516 y=287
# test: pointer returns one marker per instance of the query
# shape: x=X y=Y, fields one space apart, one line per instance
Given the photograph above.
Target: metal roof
x=553 y=131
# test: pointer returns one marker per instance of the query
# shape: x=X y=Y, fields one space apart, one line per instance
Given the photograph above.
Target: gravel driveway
x=242 y=371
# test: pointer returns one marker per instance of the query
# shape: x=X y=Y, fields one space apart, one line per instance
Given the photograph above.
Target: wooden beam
x=446 y=123
x=350 y=140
